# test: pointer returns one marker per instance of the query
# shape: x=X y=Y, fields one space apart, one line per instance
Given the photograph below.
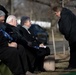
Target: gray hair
x=24 y=19
x=2 y=13
x=10 y=17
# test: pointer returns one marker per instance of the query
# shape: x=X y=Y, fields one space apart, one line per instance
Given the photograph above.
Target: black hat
x=24 y=19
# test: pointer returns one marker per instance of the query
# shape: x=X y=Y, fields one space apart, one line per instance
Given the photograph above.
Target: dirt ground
x=61 y=62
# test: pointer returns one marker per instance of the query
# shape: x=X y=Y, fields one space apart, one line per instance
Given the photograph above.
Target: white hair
x=10 y=17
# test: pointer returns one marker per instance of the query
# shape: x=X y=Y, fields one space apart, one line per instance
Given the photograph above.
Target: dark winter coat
x=3 y=41
x=67 y=25
x=15 y=34
x=29 y=37
x=35 y=44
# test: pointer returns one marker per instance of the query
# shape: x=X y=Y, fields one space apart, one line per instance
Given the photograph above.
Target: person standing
x=67 y=26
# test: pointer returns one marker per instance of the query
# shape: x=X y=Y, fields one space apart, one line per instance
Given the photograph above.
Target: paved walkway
x=61 y=61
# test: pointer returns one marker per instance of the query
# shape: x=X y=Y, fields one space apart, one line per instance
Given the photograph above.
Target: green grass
x=71 y=73
x=4 y=70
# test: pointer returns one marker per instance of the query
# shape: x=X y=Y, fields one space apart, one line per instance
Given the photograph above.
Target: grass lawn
x=4 y=70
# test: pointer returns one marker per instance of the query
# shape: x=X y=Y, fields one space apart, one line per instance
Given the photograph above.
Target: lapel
x=25 y=33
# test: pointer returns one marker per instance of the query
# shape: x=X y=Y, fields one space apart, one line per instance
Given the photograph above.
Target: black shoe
x=41 y=70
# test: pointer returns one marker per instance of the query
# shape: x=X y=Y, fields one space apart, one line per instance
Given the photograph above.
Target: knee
x=21 y=49
x=13 y=51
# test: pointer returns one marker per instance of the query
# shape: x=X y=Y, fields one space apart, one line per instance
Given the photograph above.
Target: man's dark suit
x=40 y=53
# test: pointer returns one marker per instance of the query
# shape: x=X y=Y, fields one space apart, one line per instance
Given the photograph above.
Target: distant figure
x=5 y=11
x=67 y=26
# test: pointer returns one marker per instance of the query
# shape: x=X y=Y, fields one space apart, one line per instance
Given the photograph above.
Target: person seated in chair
x=11 y=28
x=38 y=48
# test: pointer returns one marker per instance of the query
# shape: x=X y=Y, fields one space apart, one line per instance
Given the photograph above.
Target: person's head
x=4 y=10
x=25 y=21
x=12 y=20
x=57 y=10
x=2 y=16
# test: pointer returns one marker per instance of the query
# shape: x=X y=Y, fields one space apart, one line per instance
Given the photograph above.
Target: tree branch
x=40 y=2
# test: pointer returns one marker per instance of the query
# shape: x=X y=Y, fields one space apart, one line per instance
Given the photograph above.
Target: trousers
x=15 y=59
